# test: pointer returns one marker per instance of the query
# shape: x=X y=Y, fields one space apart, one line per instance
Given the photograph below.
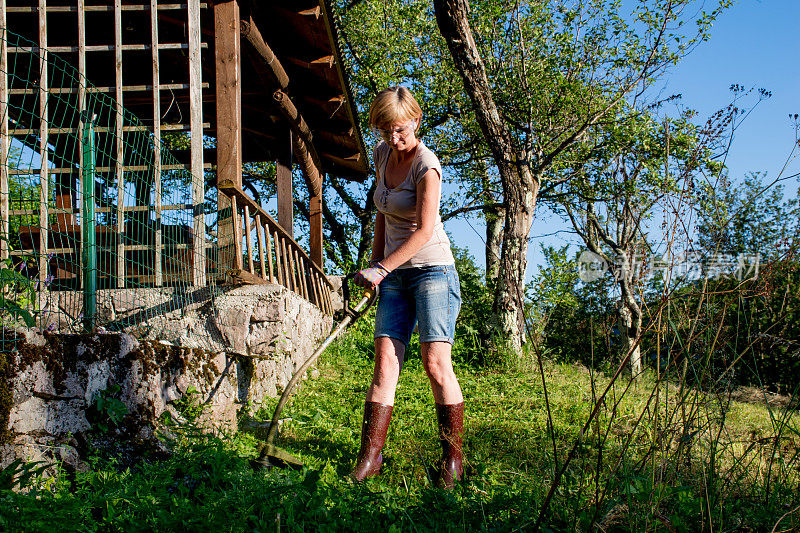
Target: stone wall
x=230 y=349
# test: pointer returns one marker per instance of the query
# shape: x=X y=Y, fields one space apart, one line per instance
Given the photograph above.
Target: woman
x=413 y=265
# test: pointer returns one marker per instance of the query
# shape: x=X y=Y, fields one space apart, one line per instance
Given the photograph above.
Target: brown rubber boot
x=373 y=436
x=451 y=427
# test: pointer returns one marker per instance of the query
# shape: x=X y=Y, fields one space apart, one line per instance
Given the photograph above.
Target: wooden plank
x=315 y=229
x=196 y=86
x=125 y=88
x=4 y=141
x=318 y=291
x=312 y=287
x=260 y=236
x=299 y=275
x=285 y=193
x=247 y=236
x=81 y=107
x=104 y=170
x=302 y=270
x=323 y=291
x=103 y=129
x=237 y=233
x=156 y=141
x=242 y=277
x=44 y=176
x=269 y=254
x=327 y=291
x=288 y=278
x=120 y=146
x=99 y=8
x=298 y=288
x=276 y=242
x=99 y=48
x=227 y=52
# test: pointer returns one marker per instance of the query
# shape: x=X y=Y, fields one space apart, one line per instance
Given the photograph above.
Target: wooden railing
x=280 y=259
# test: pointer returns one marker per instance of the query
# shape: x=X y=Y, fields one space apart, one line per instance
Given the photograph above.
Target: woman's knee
x=438 y=365
x=389 y=354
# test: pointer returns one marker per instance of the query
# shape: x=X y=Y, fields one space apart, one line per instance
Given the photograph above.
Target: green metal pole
x=88 y=222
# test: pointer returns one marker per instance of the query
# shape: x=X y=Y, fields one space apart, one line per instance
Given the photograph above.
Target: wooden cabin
x=242 y=81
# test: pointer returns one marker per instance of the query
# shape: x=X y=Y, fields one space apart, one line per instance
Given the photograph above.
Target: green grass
x=691 y=463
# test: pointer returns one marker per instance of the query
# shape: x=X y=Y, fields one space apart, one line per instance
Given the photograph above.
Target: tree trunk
x=495 y=218
x=520 y=199
x=629 y=324
x=520 y=189
x=630 y=315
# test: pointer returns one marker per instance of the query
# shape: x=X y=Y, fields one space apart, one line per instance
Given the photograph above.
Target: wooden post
x=120 y=151
x=196 y=133
x=269 y=254
x=261 y=254
x=156 y=139
x=237 y=233
x=315 y=228
x=229 y=124
x=44 y=167
x=248 y=241
x=285 y=193
x=77 y=185
x=276 y=244
x=4 y=144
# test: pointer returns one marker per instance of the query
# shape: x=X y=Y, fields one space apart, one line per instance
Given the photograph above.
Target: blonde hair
x=393 y=105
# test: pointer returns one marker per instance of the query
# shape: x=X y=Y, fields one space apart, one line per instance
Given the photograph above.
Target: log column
x=285 y=191
x=229 y=127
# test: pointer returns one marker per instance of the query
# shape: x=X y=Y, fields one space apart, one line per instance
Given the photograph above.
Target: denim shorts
x=430 y=296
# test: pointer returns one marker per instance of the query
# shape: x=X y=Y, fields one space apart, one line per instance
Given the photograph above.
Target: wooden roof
x=301 y=33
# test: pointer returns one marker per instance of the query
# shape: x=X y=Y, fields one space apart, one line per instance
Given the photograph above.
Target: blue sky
x=753 y=44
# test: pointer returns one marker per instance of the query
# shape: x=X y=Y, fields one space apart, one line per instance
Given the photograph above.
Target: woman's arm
x=379 y=239
x=428 y=190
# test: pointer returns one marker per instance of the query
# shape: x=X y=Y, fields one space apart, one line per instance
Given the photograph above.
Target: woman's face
x=399 y=135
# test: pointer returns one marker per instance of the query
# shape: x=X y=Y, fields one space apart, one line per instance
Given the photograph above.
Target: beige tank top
x=399 y=208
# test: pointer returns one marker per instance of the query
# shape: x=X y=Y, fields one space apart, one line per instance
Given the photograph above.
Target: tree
x=575 y=64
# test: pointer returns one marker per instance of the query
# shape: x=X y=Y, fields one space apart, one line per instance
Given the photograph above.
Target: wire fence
x=99 y=227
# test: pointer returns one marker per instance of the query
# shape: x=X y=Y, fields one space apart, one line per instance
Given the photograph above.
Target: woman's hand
x=371 y=277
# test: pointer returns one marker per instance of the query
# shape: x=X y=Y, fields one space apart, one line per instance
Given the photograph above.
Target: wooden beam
x=157 y=139
x=326 y=61
x=332 y=38
x=120 y=148
x=353 y=161
x=346 y=138
x=285 y=191
x=315 y=229
x=242 y=277
x=44 y=175
x=81 y=107
x=303 y=146
x=229 y=124
x=4 y=142
x=196 y=138
x=253 y=35
x=313 y=12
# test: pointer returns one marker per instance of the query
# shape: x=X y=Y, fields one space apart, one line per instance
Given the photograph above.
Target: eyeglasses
x=401 y=131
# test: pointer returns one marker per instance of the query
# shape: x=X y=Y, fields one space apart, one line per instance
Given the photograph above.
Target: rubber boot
x=373 y=436
x=451 y=427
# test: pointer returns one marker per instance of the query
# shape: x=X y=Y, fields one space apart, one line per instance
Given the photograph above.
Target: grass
x=686 y=461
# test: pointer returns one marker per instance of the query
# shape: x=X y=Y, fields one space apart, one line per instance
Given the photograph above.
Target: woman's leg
x=449 y=410
x=389 y=356
x=439 y=367
x=378 y=407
